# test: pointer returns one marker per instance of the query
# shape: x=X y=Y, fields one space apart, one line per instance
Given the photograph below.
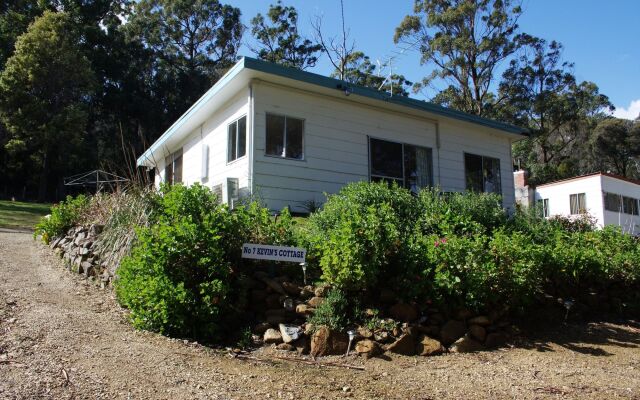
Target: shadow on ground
x=586 y=336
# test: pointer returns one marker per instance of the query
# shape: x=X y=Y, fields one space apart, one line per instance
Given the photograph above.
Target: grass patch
x=21 y=215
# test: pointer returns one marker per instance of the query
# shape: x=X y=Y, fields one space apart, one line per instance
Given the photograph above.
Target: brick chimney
x=520 y=178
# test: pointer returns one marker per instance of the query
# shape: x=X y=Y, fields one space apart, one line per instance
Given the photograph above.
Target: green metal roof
x=248 y=63
x=332 y=83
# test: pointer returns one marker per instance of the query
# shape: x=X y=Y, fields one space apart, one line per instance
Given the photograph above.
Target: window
x=237 y=143
x=173 y=168
x=410 y=166
x=285 y=137
x=544 y=207
x=482 y=174
x=630 y=205
x=578 y=203
x=612 y=202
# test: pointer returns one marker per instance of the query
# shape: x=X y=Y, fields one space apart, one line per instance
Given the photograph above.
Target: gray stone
x=368 y=348
x=496 y=339
x=315 y=301
x=326 y=342
x=272 y=336
x=405 y=345
x=478 y=332
x=452 y=331
x=481 y=320
x=466 y=345
x=290 y=333
x=291 y=288
x=304 y=310
x=322 y=290
x=427 y=346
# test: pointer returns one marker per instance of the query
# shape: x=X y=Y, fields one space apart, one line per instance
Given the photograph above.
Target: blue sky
x=601 y=38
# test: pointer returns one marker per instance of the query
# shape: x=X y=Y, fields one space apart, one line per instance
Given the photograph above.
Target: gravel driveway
x=62 y=338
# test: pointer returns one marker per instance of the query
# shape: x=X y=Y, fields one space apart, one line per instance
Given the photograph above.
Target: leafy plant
x=63 y=216
x=334 y=312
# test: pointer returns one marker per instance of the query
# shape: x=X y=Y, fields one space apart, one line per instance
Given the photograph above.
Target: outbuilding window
x=578 y=203
x=544 y=207
x=630 y=205
x=408 y=165
x=237 y=142
x=612 y=202
x=285 y=137
x=173 y=168
x=482 y=174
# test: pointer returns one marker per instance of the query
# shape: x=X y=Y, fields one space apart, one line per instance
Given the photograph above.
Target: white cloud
x=631 y=112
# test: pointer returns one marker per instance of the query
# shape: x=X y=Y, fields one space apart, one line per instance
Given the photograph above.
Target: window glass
x=473 y=172
x=578 y=203
x=417 y=168
x=177 y=167
x=275 y=135
x=242 y=137
x=630 y=205
x=168 y=169
x=233 y=143
x=294 y=133
x=482 y=174
x=386 y=159
x=612 y=202
x=491 y=175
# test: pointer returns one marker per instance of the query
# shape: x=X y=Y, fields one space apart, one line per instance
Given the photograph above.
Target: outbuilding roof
x=247 y=68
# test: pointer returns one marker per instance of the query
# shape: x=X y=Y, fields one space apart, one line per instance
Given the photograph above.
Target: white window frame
x=284 y=137
x=229 y=161
x=581 y=210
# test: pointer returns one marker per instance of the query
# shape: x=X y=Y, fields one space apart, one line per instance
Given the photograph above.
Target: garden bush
x=359 y=233
x=183 y=277
x=463 y=249
x=63 y=216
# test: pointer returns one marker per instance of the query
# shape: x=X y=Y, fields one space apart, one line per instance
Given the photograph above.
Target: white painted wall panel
x=214 y=134
x=336 y=146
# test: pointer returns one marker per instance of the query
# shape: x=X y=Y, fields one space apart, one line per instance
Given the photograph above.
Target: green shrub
x=459 y=213
x=177 y=279
x=359 y=233
x=63 y=216
x=334 y=312
x=184 y=276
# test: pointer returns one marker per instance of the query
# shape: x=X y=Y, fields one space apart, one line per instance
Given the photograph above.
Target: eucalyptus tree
x=616 y=142
x=279 y=39
x=463 y=42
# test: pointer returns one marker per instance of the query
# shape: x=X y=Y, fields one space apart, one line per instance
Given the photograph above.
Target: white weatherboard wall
x=629 y=223
x=213 y=133
x=558 y=195
x=336 y=146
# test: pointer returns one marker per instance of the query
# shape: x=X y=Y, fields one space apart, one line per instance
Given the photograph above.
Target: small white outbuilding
x=608 y=198
x=288 y=136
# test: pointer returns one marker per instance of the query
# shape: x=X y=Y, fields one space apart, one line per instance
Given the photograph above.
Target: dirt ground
x=62 y=338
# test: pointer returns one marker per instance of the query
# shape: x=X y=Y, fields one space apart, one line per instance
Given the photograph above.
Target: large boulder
x=404 y=312
x=325 y=342
x=465 y=344
x=368 y=348
x=272 y=336
x=427 y=346
x=478 y=332
x=404 y=345
x=496 y=339
x=290 y=333
x=452 y=331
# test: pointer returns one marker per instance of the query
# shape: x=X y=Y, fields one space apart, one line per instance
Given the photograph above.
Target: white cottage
x=287 y=137
x=608 y=198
